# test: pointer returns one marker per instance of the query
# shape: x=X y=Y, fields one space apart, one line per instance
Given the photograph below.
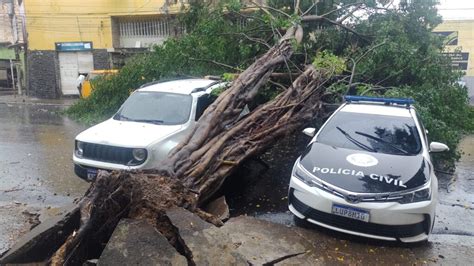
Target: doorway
x=71 y=64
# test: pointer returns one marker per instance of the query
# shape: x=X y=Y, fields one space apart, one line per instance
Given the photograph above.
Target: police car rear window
x=371 y=132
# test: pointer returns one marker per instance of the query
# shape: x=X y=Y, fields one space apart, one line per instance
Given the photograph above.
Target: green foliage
x=228 y=76
x=396 y=53
x=445 y=112
x=329 y=61
x=400 y=57
x=404 y=57
x=217 y=91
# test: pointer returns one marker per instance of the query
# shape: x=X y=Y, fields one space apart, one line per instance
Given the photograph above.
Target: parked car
x=152 y=121
x=86 y=85
x=368 y=172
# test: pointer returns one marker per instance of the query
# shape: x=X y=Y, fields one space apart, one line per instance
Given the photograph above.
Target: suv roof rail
x=158 y=81
x=207 y=87
x=212 y=77
x=387 y=101
x=174 y=79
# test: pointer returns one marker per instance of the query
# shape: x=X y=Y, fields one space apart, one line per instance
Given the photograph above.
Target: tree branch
x=355 y=62
x=265 y=9
x=309 y=18
x=297 y=7
x=358 y=4
x=350 y=13
x=310 y=8
x=376 y=88
x=216 y=63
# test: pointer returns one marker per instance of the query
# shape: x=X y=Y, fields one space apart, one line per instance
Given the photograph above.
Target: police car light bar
x=402 y=101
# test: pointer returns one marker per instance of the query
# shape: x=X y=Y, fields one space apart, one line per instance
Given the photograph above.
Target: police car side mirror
x=438 y=147
x=309 y=131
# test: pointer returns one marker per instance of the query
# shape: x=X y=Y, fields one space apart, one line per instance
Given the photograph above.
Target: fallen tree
x=220 y=142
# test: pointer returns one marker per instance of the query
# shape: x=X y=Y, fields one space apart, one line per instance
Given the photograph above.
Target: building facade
x=70 y=38
x=11 y=45
x=460 y=48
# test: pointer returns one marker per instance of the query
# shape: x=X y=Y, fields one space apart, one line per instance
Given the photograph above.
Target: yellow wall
x=465 y=29
x=50 y=21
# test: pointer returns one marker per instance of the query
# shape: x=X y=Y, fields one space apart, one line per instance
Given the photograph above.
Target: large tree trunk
x=198 y=166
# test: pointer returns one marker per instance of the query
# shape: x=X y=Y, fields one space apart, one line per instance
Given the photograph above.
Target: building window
x=133 y=32
x=151 y=28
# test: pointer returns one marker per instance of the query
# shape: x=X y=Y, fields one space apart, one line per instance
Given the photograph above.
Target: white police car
x=368 y=172
x=152 y=121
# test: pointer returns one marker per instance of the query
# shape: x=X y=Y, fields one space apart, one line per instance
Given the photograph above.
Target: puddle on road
x=36 y=170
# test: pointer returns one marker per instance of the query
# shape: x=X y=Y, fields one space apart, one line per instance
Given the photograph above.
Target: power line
x=154 y=11
x=85 y=15
x=457 y=9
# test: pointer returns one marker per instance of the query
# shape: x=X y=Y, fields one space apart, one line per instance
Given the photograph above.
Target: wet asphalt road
x=36 y=179
x=455 y=211
x=36 y=176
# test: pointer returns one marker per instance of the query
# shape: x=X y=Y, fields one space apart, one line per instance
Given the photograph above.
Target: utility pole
x=13 y=22
x=14 y=32
x=16 y=43
x=24 y=35
x=13 y=74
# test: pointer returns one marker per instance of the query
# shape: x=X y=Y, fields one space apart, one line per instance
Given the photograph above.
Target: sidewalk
x=16 y=99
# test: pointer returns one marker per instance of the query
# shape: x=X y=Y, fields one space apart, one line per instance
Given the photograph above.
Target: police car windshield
x=156 y=108
x=378 y=133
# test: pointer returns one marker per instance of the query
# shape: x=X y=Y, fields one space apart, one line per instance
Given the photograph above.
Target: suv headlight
x=421 y=194
x=139 y=155
x=304 y=175
x=79 y=148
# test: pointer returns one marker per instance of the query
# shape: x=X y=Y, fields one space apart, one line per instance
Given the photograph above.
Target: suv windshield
x=372 y=132
x=156 y=107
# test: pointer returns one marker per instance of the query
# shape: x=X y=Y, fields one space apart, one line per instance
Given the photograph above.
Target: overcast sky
x=456 y=9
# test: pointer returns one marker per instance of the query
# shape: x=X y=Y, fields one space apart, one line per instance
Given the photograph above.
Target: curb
x=29 y=101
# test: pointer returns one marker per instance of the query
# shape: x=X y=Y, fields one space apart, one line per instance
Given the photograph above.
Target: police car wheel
x=301 y=222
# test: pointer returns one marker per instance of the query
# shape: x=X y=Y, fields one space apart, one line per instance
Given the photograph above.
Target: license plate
x=91 y=174
x=350 y=212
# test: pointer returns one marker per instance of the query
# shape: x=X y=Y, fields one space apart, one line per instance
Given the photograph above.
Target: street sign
x=73 y=46
x=458 y=60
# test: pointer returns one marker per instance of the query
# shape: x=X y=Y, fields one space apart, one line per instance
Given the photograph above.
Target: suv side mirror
x=438 y=147
x=310 y=131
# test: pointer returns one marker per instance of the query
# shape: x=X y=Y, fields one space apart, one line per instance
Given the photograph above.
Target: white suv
x=152 y=121
x=368 y=172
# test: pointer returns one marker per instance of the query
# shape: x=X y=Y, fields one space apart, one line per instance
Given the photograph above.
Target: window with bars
x=145 y=28
x=132 y=32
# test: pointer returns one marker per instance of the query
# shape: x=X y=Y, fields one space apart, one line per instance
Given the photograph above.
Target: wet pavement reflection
x=455 y=211
x=36 y=173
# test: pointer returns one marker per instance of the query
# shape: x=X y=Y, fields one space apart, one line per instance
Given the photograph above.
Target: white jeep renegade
x=152 y=121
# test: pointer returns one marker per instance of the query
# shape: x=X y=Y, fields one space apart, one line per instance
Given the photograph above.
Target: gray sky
x=456 y=9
